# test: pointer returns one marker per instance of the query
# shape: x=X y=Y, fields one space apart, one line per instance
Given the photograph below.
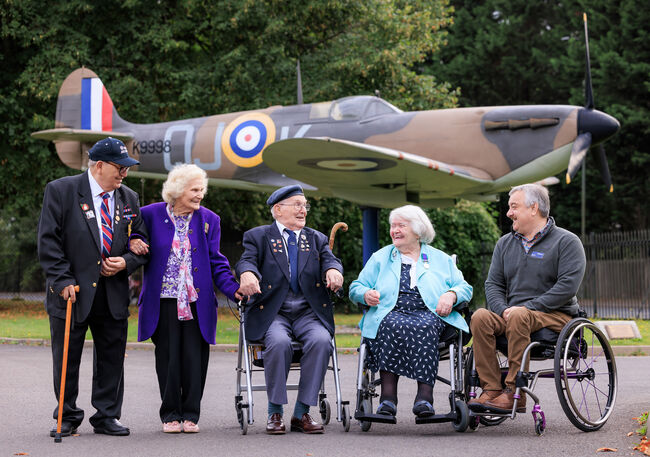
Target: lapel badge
x=303 y=236
x=207 y=227
x=84 y=207
x=90 y=214
x=275 y=250
x=117 y=218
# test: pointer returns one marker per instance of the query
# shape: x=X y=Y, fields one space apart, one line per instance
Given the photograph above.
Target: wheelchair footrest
x=450 y=417
x=381 y=418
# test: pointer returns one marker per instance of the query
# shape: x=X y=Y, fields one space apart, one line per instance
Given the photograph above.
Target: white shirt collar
x=95 y=188
x=281 y=227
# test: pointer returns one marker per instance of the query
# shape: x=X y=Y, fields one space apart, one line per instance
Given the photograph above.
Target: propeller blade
x=603 y=166
x=578 y=152
x=589 y=93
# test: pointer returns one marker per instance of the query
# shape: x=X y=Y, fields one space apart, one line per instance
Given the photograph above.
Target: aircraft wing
x=81 y=135
x=362 y=172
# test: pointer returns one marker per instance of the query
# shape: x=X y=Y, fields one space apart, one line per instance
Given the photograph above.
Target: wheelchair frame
x=580 y=355
x=450 y=349
x=245 y=364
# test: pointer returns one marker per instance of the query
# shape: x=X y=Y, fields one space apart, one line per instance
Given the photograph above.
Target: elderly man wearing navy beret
x=83 y=237
x=285 y=270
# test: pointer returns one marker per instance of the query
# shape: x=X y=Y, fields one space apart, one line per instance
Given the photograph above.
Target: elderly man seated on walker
x=535 y=273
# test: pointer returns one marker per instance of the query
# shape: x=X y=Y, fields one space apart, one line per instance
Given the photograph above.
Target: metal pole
x=370 y=231
x=583 y=201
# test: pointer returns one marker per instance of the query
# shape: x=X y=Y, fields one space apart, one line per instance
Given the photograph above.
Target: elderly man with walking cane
x=83 y=237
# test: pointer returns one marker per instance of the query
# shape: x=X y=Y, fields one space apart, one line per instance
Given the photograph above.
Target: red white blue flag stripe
x=96 y=106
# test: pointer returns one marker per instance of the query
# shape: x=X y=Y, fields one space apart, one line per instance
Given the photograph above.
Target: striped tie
x=107 y=230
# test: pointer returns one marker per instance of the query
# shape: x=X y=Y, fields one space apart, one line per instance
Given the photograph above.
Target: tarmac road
x=27 y=399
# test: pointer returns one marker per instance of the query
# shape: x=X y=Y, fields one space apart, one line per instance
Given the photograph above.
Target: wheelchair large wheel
x=585 y=374
x=488 y=421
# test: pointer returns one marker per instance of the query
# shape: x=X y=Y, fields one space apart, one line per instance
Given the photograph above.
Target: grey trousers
x=317 y=349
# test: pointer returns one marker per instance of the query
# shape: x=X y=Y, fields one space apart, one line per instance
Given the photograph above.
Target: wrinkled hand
x=69 y=293
x=371 y=297
x=113 y=265
x=334 y=279
x=507 y=312
x=239 y=295
x=446 y=303
x=138 y=246
x=248 y=284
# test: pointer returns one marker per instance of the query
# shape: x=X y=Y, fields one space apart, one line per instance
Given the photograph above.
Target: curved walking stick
x=339 y=225
x=64 y=368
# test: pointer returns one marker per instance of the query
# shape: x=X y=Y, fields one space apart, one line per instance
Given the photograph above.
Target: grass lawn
x=22 y=319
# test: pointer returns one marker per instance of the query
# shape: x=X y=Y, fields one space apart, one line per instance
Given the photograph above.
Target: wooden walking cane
x=339 y=225
x=64 y=368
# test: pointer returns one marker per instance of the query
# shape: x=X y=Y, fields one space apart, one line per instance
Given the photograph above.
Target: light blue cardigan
x=382 y=273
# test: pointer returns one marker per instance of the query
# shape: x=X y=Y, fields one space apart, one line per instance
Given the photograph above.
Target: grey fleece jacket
x=546 y=279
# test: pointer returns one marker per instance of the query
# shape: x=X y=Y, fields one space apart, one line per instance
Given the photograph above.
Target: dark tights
x=389 y=388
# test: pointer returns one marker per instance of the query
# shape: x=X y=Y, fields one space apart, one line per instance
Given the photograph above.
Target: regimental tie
x=107 y=226
x=292 y=249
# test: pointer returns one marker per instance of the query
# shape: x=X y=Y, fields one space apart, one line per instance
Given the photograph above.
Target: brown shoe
x=478 y=404
x=504 y=402
x=275 y=425
x=306 y=425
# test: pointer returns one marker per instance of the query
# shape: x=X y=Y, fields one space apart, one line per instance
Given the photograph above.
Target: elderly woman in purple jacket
x=178 y=306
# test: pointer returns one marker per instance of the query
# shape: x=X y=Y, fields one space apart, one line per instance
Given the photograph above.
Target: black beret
x=283 y=193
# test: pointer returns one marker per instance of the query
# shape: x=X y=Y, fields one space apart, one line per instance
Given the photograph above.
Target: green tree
x=518 y=52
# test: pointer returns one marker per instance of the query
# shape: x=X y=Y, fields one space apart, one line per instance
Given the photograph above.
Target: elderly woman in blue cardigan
x=411 y=289
x=178 y=306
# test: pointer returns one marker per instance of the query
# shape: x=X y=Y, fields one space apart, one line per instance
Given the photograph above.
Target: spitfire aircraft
x=359 y=148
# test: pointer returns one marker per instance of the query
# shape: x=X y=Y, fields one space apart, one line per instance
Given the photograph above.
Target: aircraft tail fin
x=84 y=114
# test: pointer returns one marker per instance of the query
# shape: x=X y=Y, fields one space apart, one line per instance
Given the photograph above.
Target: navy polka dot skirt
x=407 y=339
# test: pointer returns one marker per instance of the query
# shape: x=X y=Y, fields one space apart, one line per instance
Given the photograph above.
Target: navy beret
x=283 y=193
x=111 y=150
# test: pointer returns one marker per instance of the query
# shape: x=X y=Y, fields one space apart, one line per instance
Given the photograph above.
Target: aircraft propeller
x=593 y=127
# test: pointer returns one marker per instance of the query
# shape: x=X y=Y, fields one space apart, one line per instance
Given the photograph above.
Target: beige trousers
x=486 y=326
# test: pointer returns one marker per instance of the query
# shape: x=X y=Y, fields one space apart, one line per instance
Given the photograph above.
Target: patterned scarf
x=182 y=250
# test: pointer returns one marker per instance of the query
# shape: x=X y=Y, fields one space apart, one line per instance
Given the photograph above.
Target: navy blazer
x=209 y=267
x=265 y=255
x=69 y=249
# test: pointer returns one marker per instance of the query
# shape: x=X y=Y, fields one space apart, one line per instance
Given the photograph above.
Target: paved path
x=27 y=399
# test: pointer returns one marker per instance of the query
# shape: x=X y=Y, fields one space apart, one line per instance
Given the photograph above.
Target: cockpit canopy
x=353 y=108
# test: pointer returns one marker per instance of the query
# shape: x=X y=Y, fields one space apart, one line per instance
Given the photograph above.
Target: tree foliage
x=503 y=52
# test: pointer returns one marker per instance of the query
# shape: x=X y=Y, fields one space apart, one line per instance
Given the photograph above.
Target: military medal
x=425 y=259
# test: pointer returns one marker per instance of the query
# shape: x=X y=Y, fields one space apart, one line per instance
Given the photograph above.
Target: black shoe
x=423 y=408
x=387 y=408
x=112 y=427
x=67 y=429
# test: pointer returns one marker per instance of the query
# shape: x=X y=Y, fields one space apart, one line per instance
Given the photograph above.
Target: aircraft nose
x=599 y=124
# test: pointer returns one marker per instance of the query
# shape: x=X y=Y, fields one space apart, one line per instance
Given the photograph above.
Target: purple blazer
x=209 y=267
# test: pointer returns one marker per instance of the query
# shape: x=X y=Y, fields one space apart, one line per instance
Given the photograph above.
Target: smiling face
x=403 y=236
x=525 y=219
x=190 y=199
x=292 y=212
x=108 y=176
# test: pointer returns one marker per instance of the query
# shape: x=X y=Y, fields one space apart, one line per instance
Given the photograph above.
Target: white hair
x=178 y=178
x=417 y=219
x=535 y=193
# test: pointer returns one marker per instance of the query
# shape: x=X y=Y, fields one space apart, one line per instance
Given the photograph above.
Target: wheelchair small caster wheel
x=462 y=416
x=346 y=418
x=366 y=408
x=540 y=426
x=473 y=422
x=325 y=411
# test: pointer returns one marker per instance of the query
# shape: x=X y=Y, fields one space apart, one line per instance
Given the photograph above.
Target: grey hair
x=418 y=219
x=535 y=193
x=178 y=178
x=91 y=163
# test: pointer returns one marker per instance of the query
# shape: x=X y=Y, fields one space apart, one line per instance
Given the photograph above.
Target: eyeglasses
x=120 y=169
x=297 y=206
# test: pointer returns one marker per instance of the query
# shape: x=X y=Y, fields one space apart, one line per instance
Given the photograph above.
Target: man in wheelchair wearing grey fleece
x=534 y=276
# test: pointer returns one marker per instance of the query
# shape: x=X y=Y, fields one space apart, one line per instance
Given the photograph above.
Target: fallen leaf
x=643 y=446
x=607 y=449
x=630 y=434
x=21 y=453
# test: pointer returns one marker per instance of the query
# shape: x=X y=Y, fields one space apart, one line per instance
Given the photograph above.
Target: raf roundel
x=245 y=138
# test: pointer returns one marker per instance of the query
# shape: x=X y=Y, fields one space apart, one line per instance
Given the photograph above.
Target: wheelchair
x=250 y=359
x=450 y=348
x=584 y=371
